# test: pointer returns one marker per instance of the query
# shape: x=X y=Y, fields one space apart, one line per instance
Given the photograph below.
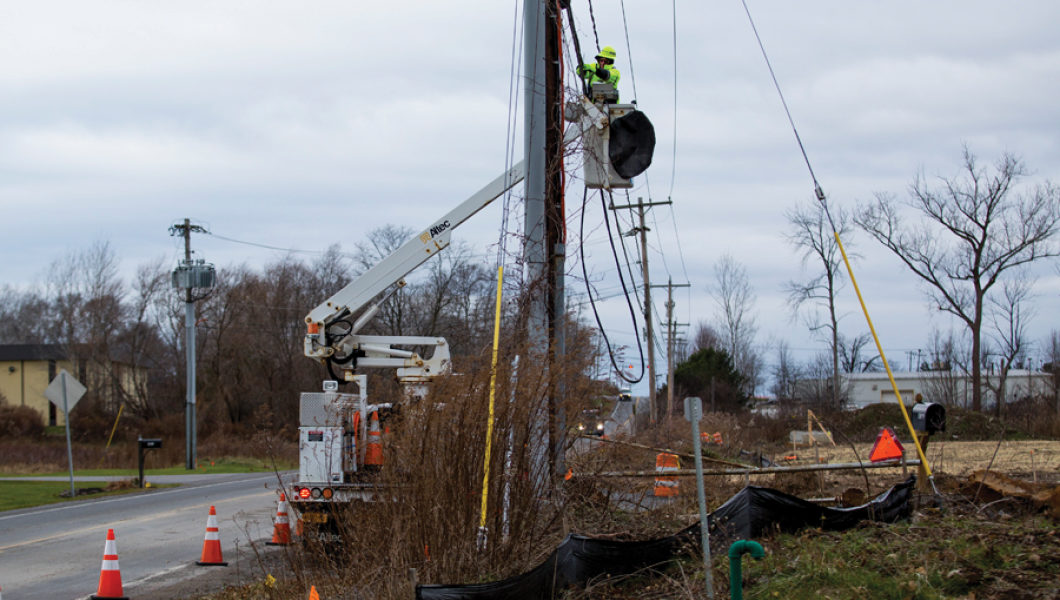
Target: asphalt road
x=55 y=551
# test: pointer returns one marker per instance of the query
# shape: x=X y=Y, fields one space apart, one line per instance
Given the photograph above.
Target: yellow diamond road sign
x=74 y=391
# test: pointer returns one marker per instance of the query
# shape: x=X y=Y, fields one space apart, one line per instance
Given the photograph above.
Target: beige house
x=27 y=369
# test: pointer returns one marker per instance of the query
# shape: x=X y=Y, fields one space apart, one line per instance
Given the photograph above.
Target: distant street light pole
x=187 y=276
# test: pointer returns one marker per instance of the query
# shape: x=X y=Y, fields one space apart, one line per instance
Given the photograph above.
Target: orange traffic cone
x=109 y=574
x=211 y=546
x=281 y=531
x=313 y=595
x=373 y=450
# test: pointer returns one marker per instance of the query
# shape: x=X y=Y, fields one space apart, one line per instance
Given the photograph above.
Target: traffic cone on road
x=211 y=546
x=109 y=575
x=281 y=531
x=373 y=450
x=313 y=595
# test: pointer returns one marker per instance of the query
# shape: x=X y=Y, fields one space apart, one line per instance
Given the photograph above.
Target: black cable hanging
x=592 y=17
x=577 y=47
x=592 y=301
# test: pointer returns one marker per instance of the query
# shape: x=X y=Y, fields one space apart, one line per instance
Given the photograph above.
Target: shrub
x=20 y=421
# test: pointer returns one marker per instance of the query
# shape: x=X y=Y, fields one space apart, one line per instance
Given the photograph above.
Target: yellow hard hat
x=607 y=52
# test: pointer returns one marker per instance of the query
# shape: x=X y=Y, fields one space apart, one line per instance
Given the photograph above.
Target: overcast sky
x=300 y=125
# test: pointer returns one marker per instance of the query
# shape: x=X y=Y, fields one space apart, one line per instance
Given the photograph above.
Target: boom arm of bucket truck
x=333 y=327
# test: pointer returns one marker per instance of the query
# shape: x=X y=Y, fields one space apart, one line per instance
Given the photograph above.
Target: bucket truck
x=334 y=426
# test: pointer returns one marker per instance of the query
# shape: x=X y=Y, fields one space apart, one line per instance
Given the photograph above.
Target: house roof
x=32 y=352
x=924 y=375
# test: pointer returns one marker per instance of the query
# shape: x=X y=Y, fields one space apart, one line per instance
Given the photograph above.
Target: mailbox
x=148 y=444
x=929 y=417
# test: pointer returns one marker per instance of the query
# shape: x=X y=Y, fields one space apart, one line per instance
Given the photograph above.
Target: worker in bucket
x=603 y=71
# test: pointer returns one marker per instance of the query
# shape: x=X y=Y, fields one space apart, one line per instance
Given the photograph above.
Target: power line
x=629 y=51
x=268 y=247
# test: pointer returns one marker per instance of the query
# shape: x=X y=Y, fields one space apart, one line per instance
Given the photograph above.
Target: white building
x=945 y=387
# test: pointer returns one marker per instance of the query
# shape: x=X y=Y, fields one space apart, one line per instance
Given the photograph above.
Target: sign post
x=64 y=391
x=694 y=413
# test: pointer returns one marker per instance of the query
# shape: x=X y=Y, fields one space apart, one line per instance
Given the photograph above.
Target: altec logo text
x=439 y=228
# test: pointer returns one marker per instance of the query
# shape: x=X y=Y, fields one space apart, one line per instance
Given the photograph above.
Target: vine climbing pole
x=544 y=230
x=555 y=232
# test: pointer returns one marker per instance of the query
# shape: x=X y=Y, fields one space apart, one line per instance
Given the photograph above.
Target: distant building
x=946 y=387
x=27 y=369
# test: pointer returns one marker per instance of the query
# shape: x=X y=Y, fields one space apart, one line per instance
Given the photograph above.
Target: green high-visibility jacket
x=588 y=72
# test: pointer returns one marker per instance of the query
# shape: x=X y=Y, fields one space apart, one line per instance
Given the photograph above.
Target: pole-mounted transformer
x=193 y=274
x=189 y=275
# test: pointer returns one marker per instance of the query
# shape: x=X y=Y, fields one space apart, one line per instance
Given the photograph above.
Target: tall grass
x=427 y=506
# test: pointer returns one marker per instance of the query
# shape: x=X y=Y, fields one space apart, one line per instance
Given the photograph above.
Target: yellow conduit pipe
x=493 y=390
x=111 y=438
x=886 y=365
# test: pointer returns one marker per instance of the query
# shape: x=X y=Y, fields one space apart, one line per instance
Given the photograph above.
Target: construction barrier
x=707 y=438
x=281 y=530
x=751 y=513
x=109 y=574
x=373 y=449
x=666 y=486
x=211 y=546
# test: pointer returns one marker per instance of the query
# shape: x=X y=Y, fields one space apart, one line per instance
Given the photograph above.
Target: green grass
x=936 y=556
x=24 y=494
x=226 y=465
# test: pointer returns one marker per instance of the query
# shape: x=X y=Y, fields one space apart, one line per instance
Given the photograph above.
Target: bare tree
x=707 y=337
x=735 y=301
x=786 y=374
x=1051 y=365
x=1009 y=315
x=86 y=297
x=946 y=366
x=394 y=318
x=24 y=317
x=812 y=233
x=852 y=356
x=815 y=385
x=971 y=229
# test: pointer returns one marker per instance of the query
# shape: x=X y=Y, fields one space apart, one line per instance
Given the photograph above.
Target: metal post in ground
x=694 y=412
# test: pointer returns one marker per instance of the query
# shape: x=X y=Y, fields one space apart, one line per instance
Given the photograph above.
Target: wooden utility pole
x=555 y=238
x=642 y=207
x=671 y=335
x=543 y=221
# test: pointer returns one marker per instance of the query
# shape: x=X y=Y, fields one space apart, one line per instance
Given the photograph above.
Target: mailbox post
x=143 y=446
x=928 y=418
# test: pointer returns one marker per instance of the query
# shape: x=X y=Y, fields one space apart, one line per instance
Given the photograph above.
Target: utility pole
x=642 y=207
x=544 y=227
x=187 y=276
x=555 y=238
x=671 y=328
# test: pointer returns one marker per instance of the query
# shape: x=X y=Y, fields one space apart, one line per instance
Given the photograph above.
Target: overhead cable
x=629 y=52
x=592 y=301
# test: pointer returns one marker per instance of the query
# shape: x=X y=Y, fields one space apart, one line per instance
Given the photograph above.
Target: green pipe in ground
x=736 y=552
